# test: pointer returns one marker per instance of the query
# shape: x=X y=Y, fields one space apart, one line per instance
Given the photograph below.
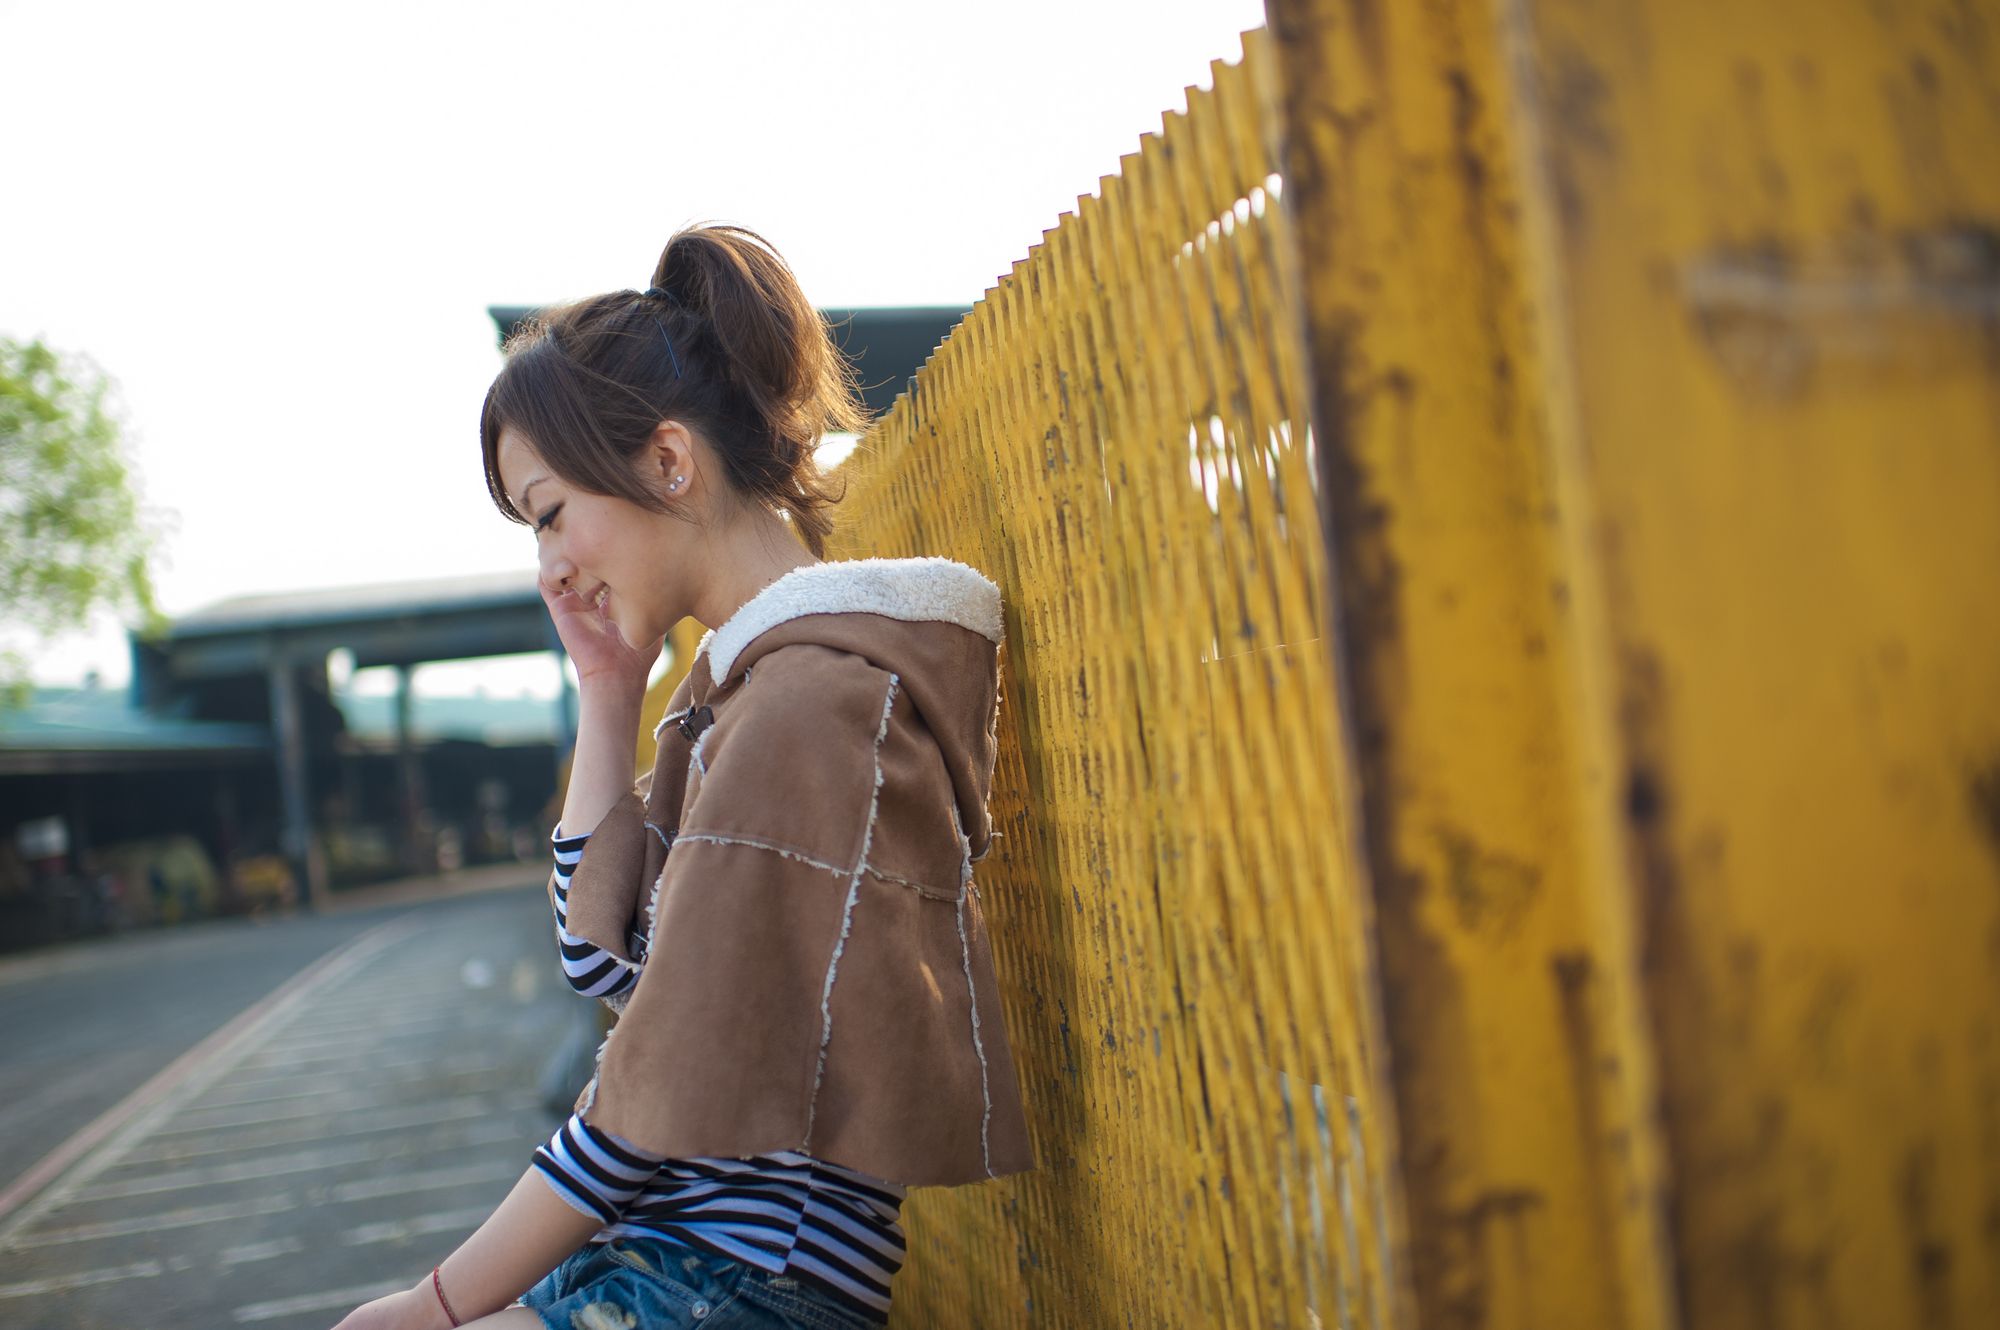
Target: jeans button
x=699 y=1310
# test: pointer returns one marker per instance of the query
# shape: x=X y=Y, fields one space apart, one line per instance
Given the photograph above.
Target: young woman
x=784 y=911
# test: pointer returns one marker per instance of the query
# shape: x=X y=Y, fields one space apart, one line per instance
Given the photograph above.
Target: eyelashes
x=547 y=518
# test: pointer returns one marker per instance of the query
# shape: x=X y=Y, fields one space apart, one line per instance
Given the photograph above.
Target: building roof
x=98 y=729
x=328 y=606
x=392 y=623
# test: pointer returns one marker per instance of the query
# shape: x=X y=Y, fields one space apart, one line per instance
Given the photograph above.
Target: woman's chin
x=628 y=633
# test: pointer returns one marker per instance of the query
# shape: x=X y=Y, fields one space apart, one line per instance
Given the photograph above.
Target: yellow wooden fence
x=1117 y=434
x=1498 y=507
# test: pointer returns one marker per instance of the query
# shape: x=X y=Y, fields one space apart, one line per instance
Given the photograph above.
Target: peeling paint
x=1983 y=796
x=1771 y=314
x=1490 y=891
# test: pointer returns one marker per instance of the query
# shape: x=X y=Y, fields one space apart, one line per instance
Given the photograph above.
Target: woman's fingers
x=591 y=639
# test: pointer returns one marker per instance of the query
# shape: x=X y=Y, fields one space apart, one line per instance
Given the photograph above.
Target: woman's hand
x=594 y=644
x=527 y=1237
x=412 y=1309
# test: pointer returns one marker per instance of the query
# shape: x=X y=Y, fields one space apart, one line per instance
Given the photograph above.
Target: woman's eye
x=547 y=518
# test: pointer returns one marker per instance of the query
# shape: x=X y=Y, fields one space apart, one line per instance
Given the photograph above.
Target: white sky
x=278 y=227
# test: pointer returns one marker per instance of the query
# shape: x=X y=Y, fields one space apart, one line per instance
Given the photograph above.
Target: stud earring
x=675 y=483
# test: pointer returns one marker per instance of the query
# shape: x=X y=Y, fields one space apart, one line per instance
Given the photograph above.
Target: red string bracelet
x=438 y=1284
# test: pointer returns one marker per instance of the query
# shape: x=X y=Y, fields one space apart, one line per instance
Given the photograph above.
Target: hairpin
x=668 y=296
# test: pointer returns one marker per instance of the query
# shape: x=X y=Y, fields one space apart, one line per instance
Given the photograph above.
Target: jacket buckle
x=694 y=722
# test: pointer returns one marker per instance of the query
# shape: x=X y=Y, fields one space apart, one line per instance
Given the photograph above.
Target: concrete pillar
x=288 y=727
x=419 y=854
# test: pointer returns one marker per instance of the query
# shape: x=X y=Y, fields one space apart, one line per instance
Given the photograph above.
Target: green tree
x=72 y=537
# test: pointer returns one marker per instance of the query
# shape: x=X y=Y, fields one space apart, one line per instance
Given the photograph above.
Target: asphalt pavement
x=267 y=1124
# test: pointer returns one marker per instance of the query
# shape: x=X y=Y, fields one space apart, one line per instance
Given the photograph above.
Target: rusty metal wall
x=1657 y=358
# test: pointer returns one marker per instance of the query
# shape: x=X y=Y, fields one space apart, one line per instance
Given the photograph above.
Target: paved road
x=329 y=1146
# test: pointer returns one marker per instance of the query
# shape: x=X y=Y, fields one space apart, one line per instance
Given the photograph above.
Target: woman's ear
x=669 y=459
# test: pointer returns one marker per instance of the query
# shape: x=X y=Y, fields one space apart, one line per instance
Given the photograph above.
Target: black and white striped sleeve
x=596 y=1173
x=590 y=970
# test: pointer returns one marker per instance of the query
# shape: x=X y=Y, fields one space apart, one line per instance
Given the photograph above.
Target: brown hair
x=725 y=342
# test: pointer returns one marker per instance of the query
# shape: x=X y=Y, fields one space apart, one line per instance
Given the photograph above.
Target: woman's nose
x=556 y=571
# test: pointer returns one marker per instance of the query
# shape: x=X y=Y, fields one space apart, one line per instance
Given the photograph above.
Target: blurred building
x=229 y=776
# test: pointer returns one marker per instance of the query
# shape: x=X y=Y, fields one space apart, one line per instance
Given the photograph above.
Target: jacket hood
x=934 y=623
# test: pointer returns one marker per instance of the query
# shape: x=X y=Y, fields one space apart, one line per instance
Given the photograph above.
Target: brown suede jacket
x=817 y=975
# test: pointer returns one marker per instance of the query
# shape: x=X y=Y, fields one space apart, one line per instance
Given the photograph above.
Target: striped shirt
x=786 y=1213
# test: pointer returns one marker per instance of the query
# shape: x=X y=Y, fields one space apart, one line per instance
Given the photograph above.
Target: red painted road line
x=52 y=1165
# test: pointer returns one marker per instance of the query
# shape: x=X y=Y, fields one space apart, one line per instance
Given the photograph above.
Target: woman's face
x=597 y=544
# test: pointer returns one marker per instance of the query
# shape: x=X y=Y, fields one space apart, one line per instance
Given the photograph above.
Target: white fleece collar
x=909 y=589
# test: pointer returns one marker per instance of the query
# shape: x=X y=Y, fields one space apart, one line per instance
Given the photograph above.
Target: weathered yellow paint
x=1797 y=473
x=1655 y=351
x=1522 y=1067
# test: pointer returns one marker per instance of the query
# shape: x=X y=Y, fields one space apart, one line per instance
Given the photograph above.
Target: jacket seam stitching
x=924 y=889
x=790 y=851
x=972 y=1001
x=847 y=913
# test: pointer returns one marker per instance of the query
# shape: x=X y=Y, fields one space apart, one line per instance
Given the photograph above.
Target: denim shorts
x=654 y=1284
